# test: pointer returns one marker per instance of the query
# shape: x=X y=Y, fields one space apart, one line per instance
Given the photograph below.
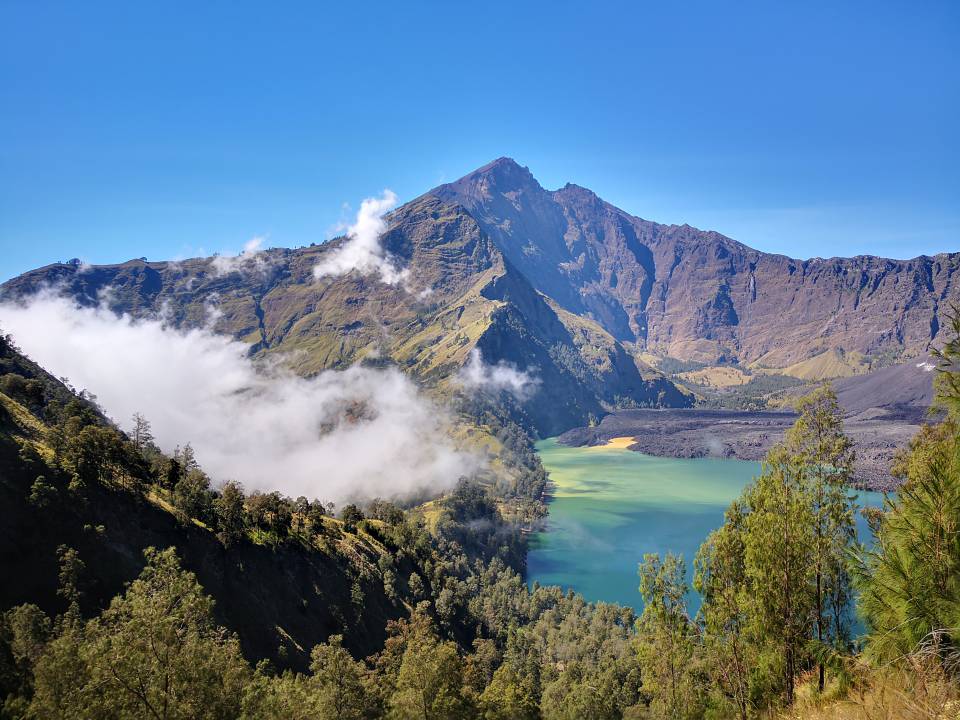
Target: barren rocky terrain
x=883 y=411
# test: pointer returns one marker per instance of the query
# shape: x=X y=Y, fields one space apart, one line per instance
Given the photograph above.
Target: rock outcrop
x=557 y=282
x=697 y=295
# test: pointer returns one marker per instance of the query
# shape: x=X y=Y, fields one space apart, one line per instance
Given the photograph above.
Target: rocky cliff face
x=559 y=282
x=685 y=293
x=463 y=294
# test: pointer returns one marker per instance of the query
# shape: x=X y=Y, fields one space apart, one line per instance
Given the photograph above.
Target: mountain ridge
x=558 y=281
x=719 y=278
x=572 y=186
x=476 y=299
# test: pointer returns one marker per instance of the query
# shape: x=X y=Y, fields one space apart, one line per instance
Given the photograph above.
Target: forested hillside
x=88 y=509
x=137 y=590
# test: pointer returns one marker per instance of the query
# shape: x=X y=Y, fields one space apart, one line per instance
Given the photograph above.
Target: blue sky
x=168 y=130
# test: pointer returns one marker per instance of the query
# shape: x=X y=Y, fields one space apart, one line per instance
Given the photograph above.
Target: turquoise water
x=611 y=506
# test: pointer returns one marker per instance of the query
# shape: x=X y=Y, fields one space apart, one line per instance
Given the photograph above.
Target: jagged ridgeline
x=477 y=299
x=558 y=281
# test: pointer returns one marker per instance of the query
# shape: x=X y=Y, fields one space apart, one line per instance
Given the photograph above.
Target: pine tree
x=230 y=514
x=338 y=682
x=910 y=584
x=429 y=683
x=778 y=561
x=509 y=696
x=720 y=578
x=154 y=653
x=947 y=379
x=142 y=435
x=819 y=445
x=187 y=458
x=667 y=639
x=910 y=581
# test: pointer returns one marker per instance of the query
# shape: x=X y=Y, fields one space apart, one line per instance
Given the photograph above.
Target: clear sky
x=170 y=130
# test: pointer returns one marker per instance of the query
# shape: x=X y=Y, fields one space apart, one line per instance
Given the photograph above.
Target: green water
x=610 y=506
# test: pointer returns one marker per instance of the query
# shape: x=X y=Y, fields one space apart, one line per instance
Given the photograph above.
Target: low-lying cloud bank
x=479 y=376
x=362 y=250
x=361 y=432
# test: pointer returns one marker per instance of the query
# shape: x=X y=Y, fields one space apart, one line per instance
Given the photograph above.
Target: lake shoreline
x=747 y=435
x=607 y=507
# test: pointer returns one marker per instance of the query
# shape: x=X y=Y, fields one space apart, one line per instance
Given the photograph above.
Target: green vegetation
x=460 y=631
x=729 y=386
x=761 y=392
x=911 y=580
x=776 y=594
x=427 y=614
x=777 y=582
x=673 y=366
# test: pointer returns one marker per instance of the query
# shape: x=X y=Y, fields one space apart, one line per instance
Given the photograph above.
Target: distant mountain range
x=590 y=297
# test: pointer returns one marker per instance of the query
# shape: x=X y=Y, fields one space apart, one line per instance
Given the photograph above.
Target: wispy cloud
x=251 y=258
x=362 y=251
x=480 y=376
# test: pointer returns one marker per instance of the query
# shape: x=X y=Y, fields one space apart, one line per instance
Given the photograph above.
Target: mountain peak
x=503 y=175
x=503 y=164
x=506 y=174
x=502 y=161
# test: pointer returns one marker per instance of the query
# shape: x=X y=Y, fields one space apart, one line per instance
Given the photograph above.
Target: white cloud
x=250 y=258
x=362 y=251
x=360 y=432
x=480 y=376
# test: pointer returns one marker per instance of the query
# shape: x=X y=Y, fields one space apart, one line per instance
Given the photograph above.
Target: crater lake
x=610 y=506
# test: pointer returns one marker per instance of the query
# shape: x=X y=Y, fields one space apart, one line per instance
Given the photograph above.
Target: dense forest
x=134 y=588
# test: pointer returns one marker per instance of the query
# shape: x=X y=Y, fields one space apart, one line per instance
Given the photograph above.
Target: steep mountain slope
x=282 y=599
x=463 y=294
x=557 y=282
x=694 y=295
